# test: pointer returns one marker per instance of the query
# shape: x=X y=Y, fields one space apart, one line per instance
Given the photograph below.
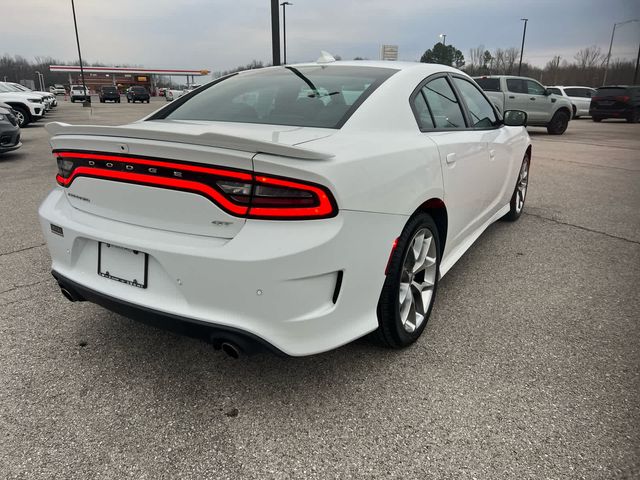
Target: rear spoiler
x=209 y=139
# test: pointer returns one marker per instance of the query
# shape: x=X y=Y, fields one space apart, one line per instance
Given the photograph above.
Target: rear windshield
x=109 y=89
x=314 y=96
x=139 y=89
x=489 y=84
x=611 y=91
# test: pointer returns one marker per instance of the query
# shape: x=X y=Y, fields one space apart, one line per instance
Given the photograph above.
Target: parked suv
x=138 y=94
x=28 y=107
x=580 y=98
x=619 y=101
x=79 y=93
x=521 y=93
x=109 y=93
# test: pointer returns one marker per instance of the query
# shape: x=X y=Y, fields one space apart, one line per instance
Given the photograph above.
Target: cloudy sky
x=218 y=35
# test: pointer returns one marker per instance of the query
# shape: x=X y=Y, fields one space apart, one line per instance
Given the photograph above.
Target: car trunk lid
x=166 y=175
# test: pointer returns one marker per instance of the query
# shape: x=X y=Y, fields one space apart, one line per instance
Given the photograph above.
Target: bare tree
x=476 y=56
x=510 y=58
x=590 y=57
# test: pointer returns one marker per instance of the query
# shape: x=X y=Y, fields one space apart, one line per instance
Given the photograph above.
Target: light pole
x=40 y=80
x=443 y=36
x=606 y=68
x=524 y=34
x=275 y=33
x=87 y=100
x=284 y=29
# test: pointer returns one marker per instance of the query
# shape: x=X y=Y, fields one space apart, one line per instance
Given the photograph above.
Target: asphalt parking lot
x=528 y=368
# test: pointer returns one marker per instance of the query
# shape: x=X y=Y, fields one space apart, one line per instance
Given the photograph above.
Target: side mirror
x=515 y=118
x=548 y=92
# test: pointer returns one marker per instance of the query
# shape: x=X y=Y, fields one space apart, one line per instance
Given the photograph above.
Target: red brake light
x=240 y=193
x=623 y=98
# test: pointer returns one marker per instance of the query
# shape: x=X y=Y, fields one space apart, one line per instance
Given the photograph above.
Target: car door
x=516 y=97
x=463 y=155
x=486 y=123
x=540 y=104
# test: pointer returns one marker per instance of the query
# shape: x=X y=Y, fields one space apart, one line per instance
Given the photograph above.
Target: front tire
x=596 y=119
x=410 y=287
x=559 y=123
x=520 y=192
x=634 y=117
x=23 y=116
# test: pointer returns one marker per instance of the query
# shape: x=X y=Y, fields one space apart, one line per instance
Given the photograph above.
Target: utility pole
x=613 y=32
x=87 y=100
x=635 y=74
x=524 y=34
x=275 y=32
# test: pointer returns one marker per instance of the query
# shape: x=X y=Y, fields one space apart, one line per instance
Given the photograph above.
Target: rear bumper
x=301 y=287
x=166 y=321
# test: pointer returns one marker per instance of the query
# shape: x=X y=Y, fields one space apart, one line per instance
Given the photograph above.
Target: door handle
x=532 y=98
x=451 y=158
x=492 y=154
x=512 y=96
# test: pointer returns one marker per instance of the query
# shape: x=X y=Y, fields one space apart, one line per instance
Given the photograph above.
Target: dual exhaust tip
x=231 y=344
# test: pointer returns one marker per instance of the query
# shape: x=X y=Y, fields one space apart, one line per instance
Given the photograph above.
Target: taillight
x=240 y=193
x=623 y=98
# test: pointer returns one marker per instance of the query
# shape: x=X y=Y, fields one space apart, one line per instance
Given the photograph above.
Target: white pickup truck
x=544 y=109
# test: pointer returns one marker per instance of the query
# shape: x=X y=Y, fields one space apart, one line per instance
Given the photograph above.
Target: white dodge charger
x=297 y=207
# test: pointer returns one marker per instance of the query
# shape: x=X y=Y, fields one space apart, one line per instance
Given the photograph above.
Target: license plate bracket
x=123 y=264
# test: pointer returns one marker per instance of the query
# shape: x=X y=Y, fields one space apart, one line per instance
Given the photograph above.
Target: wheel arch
x=438 y=211
x=565 y=109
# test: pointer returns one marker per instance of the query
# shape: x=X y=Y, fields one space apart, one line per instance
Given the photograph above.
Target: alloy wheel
x=417 y=280
x=521 y=186
x=21 y=118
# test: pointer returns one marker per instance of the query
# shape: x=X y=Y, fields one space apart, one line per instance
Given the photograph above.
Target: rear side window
x=443 y=103
x=516 y=85
x=489 y=84
x=578 y=92
x=421 y=109
x=482 y=114
x=612 y=91
x=312 y=96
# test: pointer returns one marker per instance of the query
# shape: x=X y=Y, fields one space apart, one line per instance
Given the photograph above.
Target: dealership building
x=124 y=77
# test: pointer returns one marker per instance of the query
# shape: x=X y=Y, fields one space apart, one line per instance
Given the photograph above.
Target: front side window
x=578 y=92
x=444 y=105
x=534 y=88
x=482 y=114
x=556 y=91
x=311 y=96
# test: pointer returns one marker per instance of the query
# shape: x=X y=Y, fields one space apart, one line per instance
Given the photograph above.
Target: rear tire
x=409 y=290
x=520 y=192
x=634 y=117
x=559 y=123
x=596 y=119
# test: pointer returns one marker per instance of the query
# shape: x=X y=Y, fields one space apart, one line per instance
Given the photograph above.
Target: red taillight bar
x=156 y=163
x=203 y=182
x=141 y=179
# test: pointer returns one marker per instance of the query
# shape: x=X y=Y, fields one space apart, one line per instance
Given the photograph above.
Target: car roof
x=427 y=68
